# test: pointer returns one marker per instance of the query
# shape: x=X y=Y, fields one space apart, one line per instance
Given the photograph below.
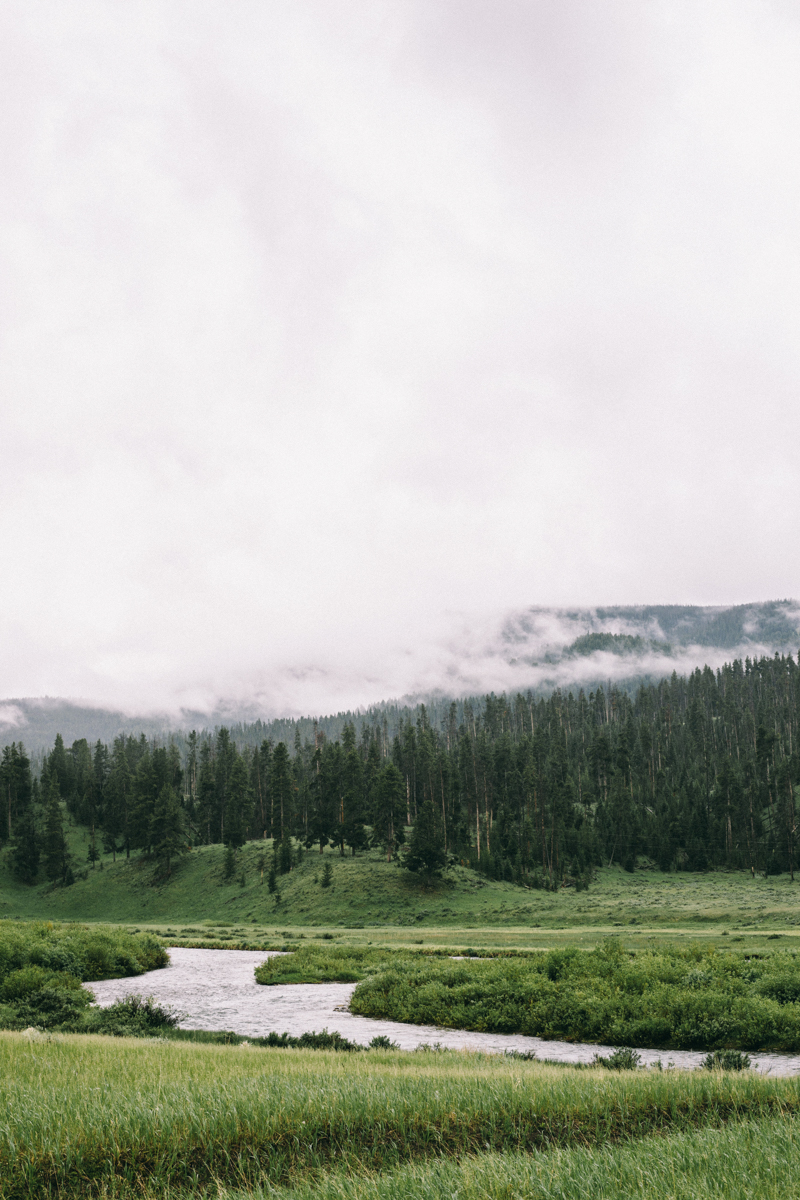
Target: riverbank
x=217 y=990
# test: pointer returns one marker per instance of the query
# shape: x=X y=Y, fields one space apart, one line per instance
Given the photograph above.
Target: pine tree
x=118 y=798
x=58 y=764
x=281 y=791
x=284 y=856
x=25 y=853
x=56 y=856
x=426 y=854
x=237 y=808
x=388 y=809
x=166 y=827
x=15 y=787
x=92 y=854
x=351 y=831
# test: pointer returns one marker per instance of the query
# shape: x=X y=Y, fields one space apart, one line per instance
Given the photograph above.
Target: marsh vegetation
x=673 y=997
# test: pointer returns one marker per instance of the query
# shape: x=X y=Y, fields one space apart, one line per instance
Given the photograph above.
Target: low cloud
x=332 y=330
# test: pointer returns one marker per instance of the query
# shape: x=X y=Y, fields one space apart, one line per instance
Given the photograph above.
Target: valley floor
x=371 y=901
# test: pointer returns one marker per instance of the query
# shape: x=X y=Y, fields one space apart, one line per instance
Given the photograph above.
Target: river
x=216 y=989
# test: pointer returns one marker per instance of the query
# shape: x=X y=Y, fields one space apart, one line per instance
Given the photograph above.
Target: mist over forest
x=533 y=651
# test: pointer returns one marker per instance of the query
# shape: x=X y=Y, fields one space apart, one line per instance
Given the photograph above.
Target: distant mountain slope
x=547 y=636
x=536 y=649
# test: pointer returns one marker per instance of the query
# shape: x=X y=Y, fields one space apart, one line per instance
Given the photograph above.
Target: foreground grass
x=755 y=1159
x=85 y=1115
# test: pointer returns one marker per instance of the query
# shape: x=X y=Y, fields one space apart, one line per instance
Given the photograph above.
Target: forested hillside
x=532 y=650
x=690 y=773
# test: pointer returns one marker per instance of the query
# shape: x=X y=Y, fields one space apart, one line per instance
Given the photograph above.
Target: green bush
x=19 y=985
x=681 y=997
x=307 y=1041
x=87 y=952
x=727 y=1060
x=42 y=966
x=54 y=1007
x=135 y=1016
x=622 y=1059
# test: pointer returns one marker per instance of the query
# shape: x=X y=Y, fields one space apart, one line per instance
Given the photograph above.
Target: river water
x=216 y=989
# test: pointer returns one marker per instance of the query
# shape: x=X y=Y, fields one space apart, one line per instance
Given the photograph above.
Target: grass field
x=87 y=1115
x=371 y=901
x=754 y=1160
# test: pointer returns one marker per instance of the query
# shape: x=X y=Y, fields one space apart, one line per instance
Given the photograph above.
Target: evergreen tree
x=58 y=764
x=281 y=792
x=426 y=854
x=206 y=796
x=166 y=832
x=92 y=853
x=118 y=800
x=388 y=809
x=323 y=798
x=56 y=855
x=284 y=855
x=237 y=809
x=15 y=787
x=25 y=854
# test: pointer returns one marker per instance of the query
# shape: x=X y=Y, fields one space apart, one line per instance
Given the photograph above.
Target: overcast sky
x=331 y=329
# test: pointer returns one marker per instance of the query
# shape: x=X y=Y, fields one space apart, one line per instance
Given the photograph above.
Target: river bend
x=216 y=989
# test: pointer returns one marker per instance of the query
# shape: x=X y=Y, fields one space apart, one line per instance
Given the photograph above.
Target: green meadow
x=110 y=1116
x=372 y=901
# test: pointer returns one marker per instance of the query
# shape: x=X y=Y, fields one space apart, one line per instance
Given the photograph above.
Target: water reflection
x=216 y=989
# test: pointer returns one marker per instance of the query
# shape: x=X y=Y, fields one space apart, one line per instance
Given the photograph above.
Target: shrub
x=623 y=1059
x=19 y=985
x=687 y=998
x=726 y=1060
x=307 y=1041
x=135 y=1016
x=87 y=952
x=54 y=1007
x=42 y=966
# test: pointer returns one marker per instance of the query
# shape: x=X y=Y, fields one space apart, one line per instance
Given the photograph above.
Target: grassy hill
x=370 y=900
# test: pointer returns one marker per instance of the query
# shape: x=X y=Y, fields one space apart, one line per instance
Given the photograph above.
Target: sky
x=333 y=331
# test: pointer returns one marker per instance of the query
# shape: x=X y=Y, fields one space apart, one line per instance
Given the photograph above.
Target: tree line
x=690 y=773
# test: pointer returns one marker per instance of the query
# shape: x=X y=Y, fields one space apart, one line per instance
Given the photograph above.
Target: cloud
x=322 y=322
x=11 y=716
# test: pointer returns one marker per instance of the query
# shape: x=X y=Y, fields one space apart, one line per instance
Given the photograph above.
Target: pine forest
x=690 y=773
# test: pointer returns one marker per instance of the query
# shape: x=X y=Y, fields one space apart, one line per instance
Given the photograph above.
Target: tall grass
x=82 y=1114
x=337 y=964
x=740 y=1162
